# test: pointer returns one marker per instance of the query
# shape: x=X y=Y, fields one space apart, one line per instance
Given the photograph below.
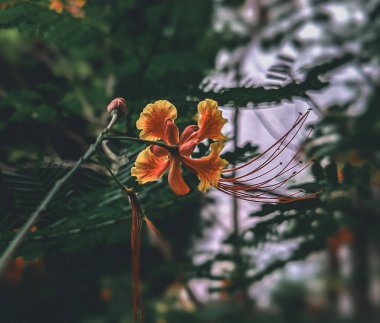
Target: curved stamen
x=278 y=151
x=300 y=119
x=243 y=185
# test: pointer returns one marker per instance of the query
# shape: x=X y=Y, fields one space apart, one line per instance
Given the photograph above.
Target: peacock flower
x=261 y=179
x=156 y=122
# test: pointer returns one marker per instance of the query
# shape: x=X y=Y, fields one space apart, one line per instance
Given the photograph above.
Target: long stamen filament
x=280 y=141
x=279 y=150
x=266 y=189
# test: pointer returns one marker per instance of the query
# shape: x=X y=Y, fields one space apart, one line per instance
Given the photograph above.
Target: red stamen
x=267 y=189
x=280 y=141
x=278 y=151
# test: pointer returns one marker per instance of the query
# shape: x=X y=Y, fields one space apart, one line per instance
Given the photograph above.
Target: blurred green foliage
x=57 y=74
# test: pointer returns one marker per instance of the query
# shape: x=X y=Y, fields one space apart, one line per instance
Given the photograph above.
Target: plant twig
x=235 y=202
x=15 y=243
x=192 y=295
x=107 y=151
x=108 y=167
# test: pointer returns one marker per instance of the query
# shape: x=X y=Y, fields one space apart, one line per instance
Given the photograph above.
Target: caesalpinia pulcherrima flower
x=258 y=180
x=156 y=122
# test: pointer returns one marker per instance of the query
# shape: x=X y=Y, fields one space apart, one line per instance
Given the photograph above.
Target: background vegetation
x=58 y=71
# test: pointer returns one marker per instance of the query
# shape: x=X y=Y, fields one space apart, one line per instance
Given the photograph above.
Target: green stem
x=107 y=166
x=15 y=243
x=148 y=142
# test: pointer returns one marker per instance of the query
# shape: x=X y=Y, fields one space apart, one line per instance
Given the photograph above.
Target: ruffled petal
x=148 y=167
x=208 y=168
x=210 y=121
x=152 y=119
x=176 y=182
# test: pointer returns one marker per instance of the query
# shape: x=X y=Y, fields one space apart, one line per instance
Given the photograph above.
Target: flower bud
x=117 y=104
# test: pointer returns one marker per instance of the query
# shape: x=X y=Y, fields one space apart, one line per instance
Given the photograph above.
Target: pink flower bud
x=119 y=104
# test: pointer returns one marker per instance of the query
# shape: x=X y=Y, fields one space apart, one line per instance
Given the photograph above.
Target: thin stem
x=235 y=213
x=235 y=205
x=191 y=295
x=107 y=166
x=15 y=243
x=148 y=142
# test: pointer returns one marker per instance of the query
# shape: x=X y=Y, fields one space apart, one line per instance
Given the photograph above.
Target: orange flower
x=56 y=5
x=157 y=122
x=75 y=7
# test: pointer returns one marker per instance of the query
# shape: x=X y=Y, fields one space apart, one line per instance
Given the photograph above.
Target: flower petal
x=148 y=167
x=176 y=182
x=188 y=147
x=188 y=134
x=210 y=121
x=152 y=119
x=171 y=132
x=159 y=151
x=208 y=168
